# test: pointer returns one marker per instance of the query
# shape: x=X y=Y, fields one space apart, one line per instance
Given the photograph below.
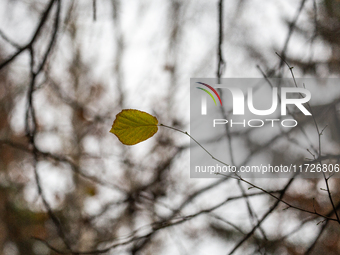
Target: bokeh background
x=67 y=185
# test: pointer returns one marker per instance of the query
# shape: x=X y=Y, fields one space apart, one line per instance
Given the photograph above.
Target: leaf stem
x=186 y=133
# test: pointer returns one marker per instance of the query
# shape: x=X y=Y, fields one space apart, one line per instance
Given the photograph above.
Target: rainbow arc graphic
x=204 y=102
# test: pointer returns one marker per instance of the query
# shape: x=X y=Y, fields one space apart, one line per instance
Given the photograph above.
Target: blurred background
x=69 y=186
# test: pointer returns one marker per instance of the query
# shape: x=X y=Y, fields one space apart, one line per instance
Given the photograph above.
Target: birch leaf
x=134 y=126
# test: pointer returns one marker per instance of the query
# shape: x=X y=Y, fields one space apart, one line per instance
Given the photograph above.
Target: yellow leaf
x=134 y=126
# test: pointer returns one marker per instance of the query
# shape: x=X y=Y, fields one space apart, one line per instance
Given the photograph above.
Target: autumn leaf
x=134 y=126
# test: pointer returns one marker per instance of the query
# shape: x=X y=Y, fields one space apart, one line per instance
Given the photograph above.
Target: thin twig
x=34 y=37
x=319 y=141
x=11 y=42
x=290 y=32
x=94 y=7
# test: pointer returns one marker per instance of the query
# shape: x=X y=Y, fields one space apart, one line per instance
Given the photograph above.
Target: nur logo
x=204 y=101
x=240 y=100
